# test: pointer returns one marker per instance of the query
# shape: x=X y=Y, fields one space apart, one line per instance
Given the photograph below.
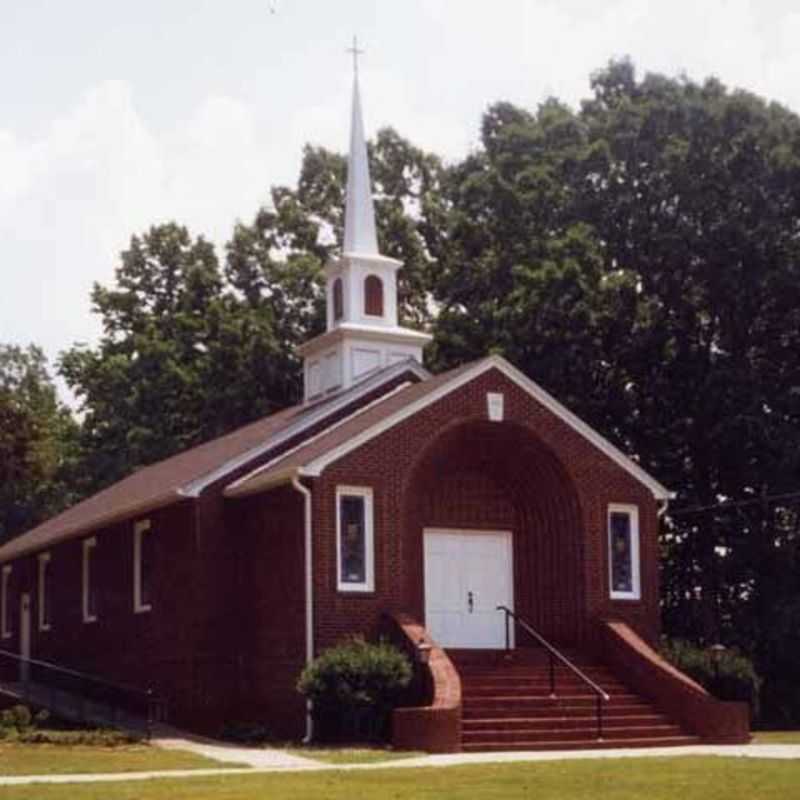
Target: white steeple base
x=343 y=356
x=363 y=334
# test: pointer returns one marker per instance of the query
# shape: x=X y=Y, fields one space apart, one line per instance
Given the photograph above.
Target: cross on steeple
x=356 y=53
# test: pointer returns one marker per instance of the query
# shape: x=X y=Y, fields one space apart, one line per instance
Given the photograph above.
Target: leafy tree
x=176 y=347
x=639 y=257
x=694 y=190
x=38 y=442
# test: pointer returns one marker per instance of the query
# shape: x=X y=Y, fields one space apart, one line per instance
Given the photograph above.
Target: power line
x=736 y=503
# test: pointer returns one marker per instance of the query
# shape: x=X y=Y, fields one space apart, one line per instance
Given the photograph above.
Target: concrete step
x=558 y=734
x=536 y=687
x=575 y=697
x=544 y=710
x=562 y=722
x=581 y=744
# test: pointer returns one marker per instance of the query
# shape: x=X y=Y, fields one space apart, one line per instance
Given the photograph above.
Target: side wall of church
x=157 y=648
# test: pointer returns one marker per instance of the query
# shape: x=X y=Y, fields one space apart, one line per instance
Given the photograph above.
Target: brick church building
x=390 y=500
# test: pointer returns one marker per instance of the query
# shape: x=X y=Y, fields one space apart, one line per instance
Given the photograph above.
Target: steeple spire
x=363 y=334
x=359 y=216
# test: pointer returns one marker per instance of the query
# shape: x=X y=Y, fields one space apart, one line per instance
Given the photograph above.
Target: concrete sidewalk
x=254 y=757
x=276 y=761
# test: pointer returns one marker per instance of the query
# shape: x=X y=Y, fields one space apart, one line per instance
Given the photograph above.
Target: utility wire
x=735 y=504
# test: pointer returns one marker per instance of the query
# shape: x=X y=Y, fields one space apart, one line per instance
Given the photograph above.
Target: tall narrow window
x=373 y=296
x=143 y=558
x=623 y=552
x=5 y=601
x=45 y=599
x=338 y=299
x=88 y=582
x=354 y=539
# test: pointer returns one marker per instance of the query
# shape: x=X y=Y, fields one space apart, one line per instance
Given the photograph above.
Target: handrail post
x=599 y=718
x=508 y=633
x=149 y=714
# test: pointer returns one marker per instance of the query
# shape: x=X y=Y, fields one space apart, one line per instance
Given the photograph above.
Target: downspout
x=664 y=507
x=306 y=492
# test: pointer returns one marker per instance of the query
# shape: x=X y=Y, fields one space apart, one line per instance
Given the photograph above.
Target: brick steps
x=586 y=744
x=507 y=711
x=565 y=722
x=507 y=705
x=559 y=734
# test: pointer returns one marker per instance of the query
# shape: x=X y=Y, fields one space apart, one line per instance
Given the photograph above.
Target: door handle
x=470 y=602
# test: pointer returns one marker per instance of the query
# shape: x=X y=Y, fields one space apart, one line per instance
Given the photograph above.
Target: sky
x=118 y=115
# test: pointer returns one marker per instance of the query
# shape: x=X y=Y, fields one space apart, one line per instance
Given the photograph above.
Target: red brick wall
x=270 y=630
x=155 y=649
x=555 y=487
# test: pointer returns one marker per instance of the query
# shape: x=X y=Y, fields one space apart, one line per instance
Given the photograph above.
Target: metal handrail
x=154 y=704
x=602 y=695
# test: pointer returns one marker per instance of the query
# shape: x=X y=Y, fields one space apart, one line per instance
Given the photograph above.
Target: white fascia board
x=383 y=333
x=252 y=481
x=660 y=492
x=253 y=484
x=331 y=406
x=375 y=258
x=18 y=547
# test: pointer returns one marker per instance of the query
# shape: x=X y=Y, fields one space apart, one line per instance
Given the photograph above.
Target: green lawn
x=352 y=755
x=48 y=759
x=776 y=737
x=687 y=778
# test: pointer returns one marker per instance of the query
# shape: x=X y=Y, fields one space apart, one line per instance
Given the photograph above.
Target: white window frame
x=43 y=564
x=86 y=578
x=368 y=585
x=140 y=529
x=5 y=576
x=633 y=514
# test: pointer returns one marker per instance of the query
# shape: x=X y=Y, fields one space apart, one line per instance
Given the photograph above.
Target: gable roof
x=187 y=474
x=311 y=457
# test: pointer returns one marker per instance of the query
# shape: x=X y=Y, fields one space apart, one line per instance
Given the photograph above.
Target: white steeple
x=359 y=215
x=363 y=334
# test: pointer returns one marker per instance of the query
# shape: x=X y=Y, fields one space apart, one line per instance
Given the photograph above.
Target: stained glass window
x=353 y=556
x=621 y=556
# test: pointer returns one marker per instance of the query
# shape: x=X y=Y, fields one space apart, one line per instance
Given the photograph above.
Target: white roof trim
x=660 y=492
x=196 y=487
x=251 y=483
x=354 y=330
x=17 y=547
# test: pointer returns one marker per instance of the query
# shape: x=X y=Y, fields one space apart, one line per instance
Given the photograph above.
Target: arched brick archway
x=489 y=475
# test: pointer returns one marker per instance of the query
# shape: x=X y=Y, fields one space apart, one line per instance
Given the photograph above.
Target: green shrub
x=353 y=687
x=96 y=737
x=18 y=724
x=16 y=719
x=732 y=678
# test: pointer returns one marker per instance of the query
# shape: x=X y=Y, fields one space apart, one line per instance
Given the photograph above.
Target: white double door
x=467 y=575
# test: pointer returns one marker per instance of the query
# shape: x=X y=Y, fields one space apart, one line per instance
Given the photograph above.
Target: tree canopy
x=38 y=442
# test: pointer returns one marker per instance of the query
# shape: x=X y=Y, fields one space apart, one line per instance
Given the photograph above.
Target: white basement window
x=88 y=589
x=623 y=552
x=5 y=610
x=142 y=567
x=355 y=567
x=44 y=593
